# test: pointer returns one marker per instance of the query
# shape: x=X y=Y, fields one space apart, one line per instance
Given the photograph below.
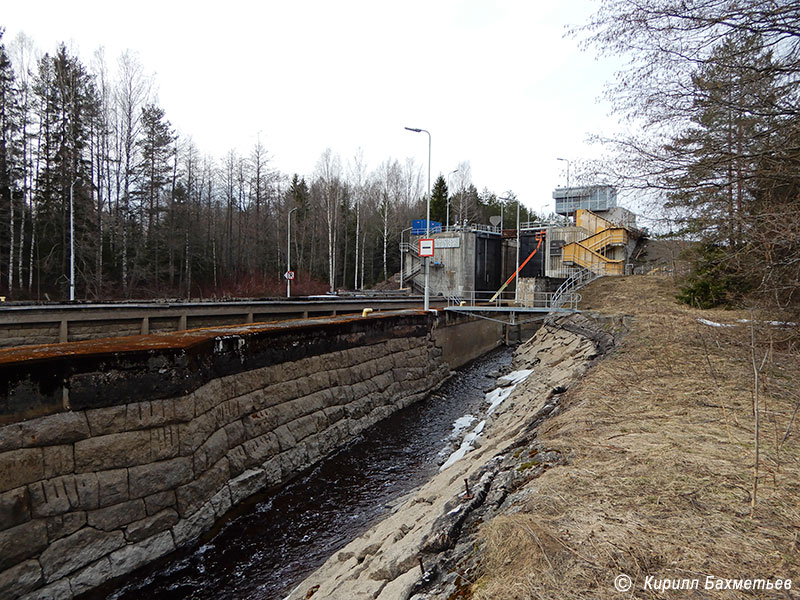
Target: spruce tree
x=66 y=103
x=439 y=200
x=154 y=169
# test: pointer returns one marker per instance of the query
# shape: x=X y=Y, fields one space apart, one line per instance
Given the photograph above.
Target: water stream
x=270 y=542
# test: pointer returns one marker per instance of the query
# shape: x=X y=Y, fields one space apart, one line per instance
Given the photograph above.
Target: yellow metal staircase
x=590 y=252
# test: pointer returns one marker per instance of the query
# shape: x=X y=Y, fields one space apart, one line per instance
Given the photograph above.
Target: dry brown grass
x=661 y=451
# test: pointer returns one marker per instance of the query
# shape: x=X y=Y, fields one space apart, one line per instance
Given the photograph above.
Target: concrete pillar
x=182 y=322
x=145 y=329
x=63 y=331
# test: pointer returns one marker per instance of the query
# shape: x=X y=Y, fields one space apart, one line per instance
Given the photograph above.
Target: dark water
x=268 y=544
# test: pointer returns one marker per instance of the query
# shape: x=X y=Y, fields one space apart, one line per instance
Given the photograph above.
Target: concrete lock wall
x=124 y=476
x=463 y=339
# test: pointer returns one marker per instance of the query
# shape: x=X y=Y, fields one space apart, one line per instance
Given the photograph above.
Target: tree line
x=712 y=88
x=90 y=153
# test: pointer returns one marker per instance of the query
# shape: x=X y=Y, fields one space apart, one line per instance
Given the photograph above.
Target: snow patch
x=773 y=323
x=461 y=424
x=497 y=396
x=466 y=446
x=713 y=323
x=514 y=377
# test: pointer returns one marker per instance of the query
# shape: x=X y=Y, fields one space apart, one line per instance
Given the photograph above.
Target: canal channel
x=269 y=543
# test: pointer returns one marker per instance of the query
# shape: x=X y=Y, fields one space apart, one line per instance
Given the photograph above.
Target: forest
x=710 y=90
x=86 y=149
x=709 y=95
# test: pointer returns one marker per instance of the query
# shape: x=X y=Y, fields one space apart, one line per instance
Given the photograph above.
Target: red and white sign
x=426 y=247
x=289 y=275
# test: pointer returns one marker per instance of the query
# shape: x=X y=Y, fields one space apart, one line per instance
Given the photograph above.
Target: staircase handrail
x=407 y=247
x=566 y=292
x=605 y=237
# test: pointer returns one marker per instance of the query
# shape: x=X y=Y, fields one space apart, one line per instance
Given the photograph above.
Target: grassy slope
x=661 y=452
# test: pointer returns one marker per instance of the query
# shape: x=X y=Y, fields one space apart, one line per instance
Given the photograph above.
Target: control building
x=473 y=261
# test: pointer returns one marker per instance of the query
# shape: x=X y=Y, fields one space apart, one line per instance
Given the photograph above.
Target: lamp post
x=447 y=220
x=516 y=284
x=427 y=219
x=289 y=252
x=72 y=242
x=566 y=161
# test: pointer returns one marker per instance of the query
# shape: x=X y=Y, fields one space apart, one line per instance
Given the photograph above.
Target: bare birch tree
x=357 y=183
x=329 y=172
x=131 y=93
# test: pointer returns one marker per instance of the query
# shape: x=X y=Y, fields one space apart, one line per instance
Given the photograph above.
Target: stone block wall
x=93 y=492
x=12 y=335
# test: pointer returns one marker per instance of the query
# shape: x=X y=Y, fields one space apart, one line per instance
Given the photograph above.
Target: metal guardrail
x=524 y=226
x=408 y=247
x=540 y=300
x=22 y=325
x=566 y=296
x=476 y=297
x=413 y=271
x=461 y=228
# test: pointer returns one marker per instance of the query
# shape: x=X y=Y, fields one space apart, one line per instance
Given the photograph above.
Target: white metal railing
x=459 y=228
x=525 y=225
x=539 y=224
x=408 y=247
x=473 y=297
x=565 y=296
x=543 y=300
x=549 y=300
x=413 y=271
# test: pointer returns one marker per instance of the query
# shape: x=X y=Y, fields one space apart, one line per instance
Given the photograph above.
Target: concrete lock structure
x=471 y=261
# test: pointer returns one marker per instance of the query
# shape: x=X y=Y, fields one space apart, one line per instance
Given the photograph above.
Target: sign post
x=426 y=247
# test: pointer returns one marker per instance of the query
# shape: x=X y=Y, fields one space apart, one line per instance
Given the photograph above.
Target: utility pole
x=427 y=220
x=72 y=242
x=289 y=252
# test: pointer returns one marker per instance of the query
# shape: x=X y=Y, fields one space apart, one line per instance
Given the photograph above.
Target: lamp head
x=414 y=130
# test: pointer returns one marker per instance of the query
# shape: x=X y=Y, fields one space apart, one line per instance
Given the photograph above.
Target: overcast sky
x=496 y=83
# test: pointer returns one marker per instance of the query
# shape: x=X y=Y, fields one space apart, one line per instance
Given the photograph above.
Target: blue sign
x=418 y=227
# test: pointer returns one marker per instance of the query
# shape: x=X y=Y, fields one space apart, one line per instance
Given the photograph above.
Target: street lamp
x=447 y=220
x=566 y=161
x=289 y=252
x=427 y=218
x=72 y=242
